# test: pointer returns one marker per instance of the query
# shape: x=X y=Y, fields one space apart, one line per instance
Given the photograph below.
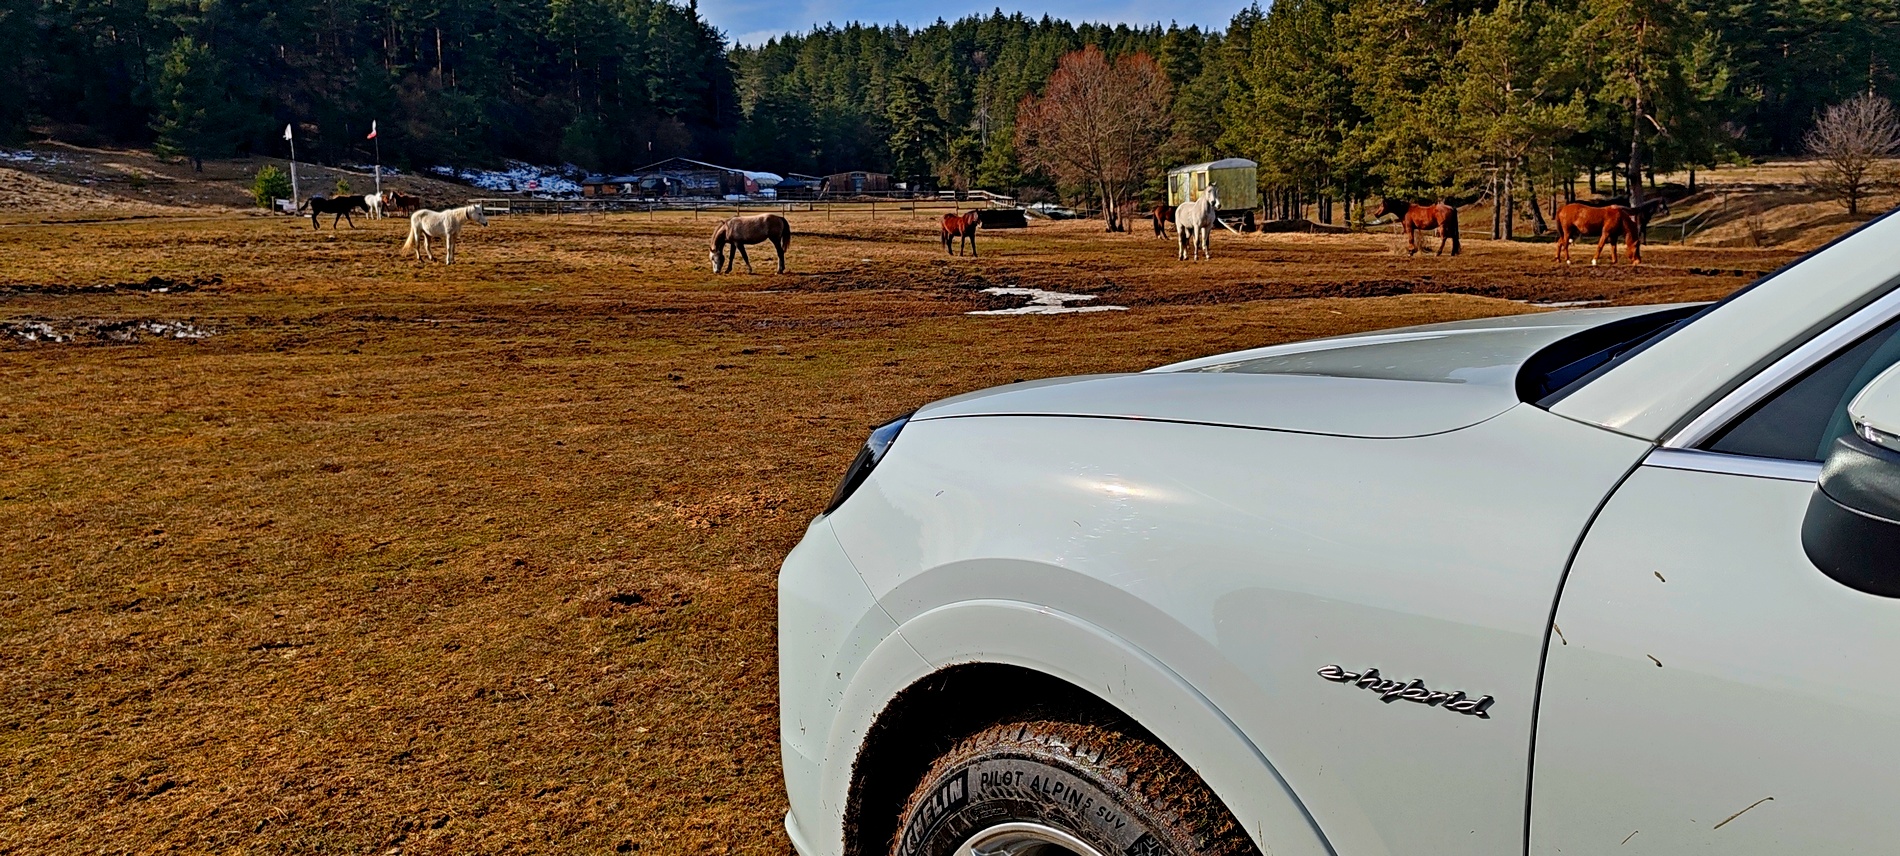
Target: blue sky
x=751 y=22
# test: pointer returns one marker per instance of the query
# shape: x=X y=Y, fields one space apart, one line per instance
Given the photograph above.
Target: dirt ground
x=314 y=549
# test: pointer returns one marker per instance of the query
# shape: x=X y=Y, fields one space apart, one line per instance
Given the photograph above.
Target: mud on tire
x=1120 y=794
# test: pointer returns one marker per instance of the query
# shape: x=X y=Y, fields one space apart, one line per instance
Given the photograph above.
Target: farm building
x=671 y=177
x=799 y=186
x=848 y=183
x=1235 y=180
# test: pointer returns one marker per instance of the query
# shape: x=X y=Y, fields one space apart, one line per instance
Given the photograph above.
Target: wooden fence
x=873 y=203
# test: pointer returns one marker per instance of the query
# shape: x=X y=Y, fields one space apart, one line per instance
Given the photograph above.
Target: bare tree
x=1097 y=125
x=1851 y=141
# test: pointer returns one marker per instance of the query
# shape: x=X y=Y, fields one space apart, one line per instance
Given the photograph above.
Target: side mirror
x=1852 y=530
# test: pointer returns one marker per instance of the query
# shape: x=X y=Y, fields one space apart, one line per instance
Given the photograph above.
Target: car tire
x=1050 y=788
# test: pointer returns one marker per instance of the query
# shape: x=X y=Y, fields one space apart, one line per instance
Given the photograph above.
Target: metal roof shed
x=1236 y=180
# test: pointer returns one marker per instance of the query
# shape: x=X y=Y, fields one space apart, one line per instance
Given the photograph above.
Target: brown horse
x=1608 y=223
x=729 y=240
x=962 y=226
x=1163 y=214
x=1418 y=217
x=397 y=202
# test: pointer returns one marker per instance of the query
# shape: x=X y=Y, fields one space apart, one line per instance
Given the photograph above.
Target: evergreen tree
x=196 y=117
x=1660 y=65
x=917 y=129
x=1516 y=95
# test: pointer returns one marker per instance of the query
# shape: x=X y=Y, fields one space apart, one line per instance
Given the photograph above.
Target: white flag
x=286 y=132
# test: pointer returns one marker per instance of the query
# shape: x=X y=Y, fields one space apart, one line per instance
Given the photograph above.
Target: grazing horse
x=1163 y=215
x=401 y=203
x=374 y=202
x=1608 y=223
x=1648 y=211
x=341 y=206
x=426 y=224
x=1418 y=217
x=729 y=240
x=1193 y=222
x=962 y=226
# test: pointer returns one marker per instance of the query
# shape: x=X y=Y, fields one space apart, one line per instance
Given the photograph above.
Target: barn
x=1236 y=180
x=855 y=182
x=673 y=177
x=799 y=186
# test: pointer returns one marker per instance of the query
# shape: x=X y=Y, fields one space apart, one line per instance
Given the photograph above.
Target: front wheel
x=1064 y=789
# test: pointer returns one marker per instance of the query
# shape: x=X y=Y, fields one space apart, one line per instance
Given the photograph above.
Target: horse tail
x=787 y=240
x=412 y=236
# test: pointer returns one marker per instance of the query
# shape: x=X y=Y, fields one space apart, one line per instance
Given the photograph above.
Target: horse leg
x=748 y=259
x=946 y=245
x=972 y=237
x=1601 y=240
x=778 y=244
x=1411 y=240
x=1563 y=243
x=1636 y=248
x=448 y=245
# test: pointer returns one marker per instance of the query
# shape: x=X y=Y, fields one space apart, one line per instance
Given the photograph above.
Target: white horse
x=441 y=224
x=1192 y=223
x=375 y=203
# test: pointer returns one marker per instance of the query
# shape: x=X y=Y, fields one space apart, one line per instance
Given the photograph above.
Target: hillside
x=60 y=181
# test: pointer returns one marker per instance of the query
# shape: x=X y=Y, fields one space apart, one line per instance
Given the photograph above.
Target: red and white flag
x=372 y=130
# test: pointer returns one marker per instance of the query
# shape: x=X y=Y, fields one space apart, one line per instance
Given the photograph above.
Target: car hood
x=1388 y=384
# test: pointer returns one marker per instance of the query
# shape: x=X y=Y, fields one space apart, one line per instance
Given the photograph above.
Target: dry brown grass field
x=480 y=559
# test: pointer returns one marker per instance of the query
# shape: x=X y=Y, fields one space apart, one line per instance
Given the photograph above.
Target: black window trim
x=1779 y=375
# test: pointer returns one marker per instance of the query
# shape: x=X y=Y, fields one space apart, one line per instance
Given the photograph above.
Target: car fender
x=1085 y=655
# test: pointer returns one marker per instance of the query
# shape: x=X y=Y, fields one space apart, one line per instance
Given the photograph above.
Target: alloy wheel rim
x=1025 y=839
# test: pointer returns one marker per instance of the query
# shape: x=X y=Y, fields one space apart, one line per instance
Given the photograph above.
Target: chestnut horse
x=1607 y=223
x=962 y=226
x=396 y=202
x=729 y=240
x=1419 y=217
x=1163 y=214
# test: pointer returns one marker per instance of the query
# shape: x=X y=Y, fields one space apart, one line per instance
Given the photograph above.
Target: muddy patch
x=151 y=285
x=1582 y=290
x=63 y=331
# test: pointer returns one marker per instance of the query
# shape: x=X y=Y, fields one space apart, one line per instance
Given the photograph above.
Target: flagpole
x=296 y=199
x=379 y=157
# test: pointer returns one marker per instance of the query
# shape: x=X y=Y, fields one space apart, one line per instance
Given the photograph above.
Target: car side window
x=1802 y=421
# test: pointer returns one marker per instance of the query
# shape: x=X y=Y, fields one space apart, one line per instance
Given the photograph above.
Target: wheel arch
x=1033 y=660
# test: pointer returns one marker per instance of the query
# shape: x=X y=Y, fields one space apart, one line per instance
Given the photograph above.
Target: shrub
x=270 y=183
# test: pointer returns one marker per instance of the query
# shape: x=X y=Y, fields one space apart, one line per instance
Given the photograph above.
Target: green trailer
x=1236 y=180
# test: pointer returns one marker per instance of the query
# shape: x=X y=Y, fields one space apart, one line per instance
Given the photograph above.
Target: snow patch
x=1044 y=303
x=30 y=156
x=71 y=330
x=518 y=177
